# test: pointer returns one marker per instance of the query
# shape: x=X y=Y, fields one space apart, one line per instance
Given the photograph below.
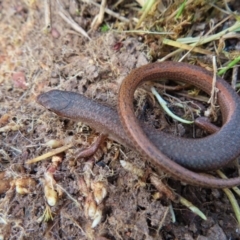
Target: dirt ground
x=62 y=197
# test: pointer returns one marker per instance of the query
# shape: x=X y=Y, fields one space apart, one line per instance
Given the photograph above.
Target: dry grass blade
x=73 y=24
x=231 y=197
x=99 y=18
x=186 y=47
x=148 y=5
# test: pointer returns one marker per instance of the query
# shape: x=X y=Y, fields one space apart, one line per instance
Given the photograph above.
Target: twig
x=220 y=9
x=108 y=11
x=69 y=195
x=74 y=25
x=47 y=9
x=75 y=222
x=144 y=32
x=50 y=154
x=234 y=77
x=99 y=18
x=213 y=98
x=163 y=220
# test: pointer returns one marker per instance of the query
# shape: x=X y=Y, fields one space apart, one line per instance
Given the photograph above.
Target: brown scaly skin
x=171 y=154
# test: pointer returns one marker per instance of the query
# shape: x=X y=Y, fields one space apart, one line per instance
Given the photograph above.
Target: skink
x=171 y=154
